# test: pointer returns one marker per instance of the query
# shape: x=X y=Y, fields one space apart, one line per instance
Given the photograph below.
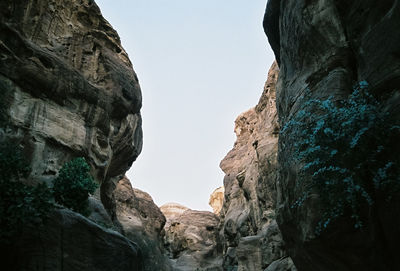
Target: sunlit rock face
x=191 y=239
x=69 y=89
x=142 y=222
x=217 y=199
x=327 y=47
x=251 y=237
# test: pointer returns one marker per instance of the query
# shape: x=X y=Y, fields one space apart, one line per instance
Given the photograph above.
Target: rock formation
x=143 y=223
x=69 y=89
x=217 y=199
x=327 y=47
x=69 y=241
x=251 y=237
x=191 y=239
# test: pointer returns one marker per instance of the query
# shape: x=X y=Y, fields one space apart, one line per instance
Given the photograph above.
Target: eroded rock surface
x=191 y=239
x=69 y=89
x=69 y=241
x=251 y=237
x=327 y=47
x=217 y=199
x=143 y=223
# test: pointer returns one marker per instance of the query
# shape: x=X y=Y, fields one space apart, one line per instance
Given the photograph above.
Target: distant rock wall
x=191 y=239
x=69 y=89
x=327 y=47
x=251 y=237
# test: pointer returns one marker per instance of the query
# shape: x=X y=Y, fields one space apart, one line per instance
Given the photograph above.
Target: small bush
x=19 y=203
x=348 y=152
x=73 y=185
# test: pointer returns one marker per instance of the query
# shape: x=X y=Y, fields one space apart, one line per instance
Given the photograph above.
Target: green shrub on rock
x=20 y=203
x=348 y=152
x=73 y=185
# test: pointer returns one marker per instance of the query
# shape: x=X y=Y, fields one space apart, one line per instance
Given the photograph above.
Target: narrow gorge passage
x=68 y=90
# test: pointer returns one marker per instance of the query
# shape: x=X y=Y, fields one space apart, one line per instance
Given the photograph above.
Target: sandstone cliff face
x=69 y=89
x=191 y=239
x=143 y=223
x=69 y=241
x=251 y=237
x=327 y=47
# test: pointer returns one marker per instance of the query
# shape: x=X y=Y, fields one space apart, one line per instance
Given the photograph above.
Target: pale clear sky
x=200 y=64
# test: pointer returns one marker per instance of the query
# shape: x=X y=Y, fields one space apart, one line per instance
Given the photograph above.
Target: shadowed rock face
x=328 y=47
x=191 y=239
x=251 y=237
x=69 y=89
x=142 y=222
x=69 y=241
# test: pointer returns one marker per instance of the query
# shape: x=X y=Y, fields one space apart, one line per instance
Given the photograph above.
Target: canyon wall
x=143 y=223
x=69 y=90
x=324 y=48
x=250 y=236
x=191 y=239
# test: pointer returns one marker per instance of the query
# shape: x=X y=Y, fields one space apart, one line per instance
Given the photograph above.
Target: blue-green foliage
x=348 y=154
x=73 y=185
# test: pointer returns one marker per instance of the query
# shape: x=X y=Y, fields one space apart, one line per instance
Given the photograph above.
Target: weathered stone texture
x=142 y=222
x=217 y=199
x=251 y=238
x=191 y=239
x=69 y=88
x=327 y=47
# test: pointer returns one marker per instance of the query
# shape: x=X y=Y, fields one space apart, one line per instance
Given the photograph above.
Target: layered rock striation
x=69 y=90
x=251 y=237
x=325 y=48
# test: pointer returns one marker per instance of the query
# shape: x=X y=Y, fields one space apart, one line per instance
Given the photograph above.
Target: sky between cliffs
x=200 y=64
